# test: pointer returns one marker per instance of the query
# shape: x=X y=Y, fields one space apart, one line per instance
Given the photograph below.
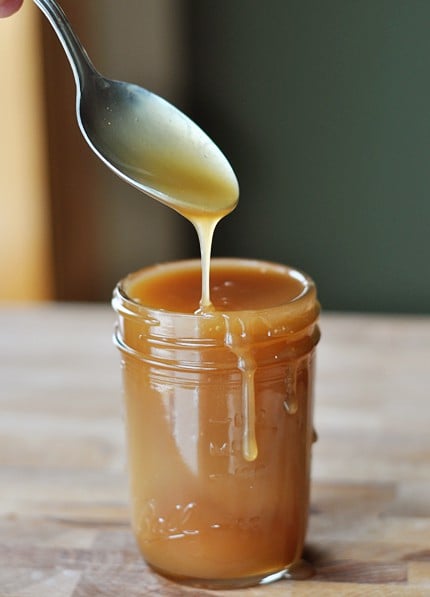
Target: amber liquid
x=219 y=419
x=236 y=286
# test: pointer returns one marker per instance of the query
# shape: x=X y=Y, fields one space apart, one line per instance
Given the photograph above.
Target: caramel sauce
x=219 y=418
x=251 y=286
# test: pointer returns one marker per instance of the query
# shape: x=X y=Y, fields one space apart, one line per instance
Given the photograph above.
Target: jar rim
x=121 y=300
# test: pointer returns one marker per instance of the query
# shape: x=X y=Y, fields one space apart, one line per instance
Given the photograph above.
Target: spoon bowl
x=143 y=138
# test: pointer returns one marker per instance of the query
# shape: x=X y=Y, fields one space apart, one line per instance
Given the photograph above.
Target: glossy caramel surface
x=235 y=285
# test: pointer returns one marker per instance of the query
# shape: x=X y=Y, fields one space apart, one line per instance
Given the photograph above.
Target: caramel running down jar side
x=219 y=427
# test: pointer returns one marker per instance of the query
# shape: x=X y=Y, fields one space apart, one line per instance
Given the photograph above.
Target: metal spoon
x=144 y=139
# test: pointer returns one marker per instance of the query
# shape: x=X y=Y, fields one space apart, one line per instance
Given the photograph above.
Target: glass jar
x=219 y=427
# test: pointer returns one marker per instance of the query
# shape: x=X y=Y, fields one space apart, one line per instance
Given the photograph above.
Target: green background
x=323 y=108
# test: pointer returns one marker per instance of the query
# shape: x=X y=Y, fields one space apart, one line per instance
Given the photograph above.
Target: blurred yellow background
x=25 y=250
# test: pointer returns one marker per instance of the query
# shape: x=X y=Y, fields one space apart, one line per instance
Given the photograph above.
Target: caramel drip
x=205 y=228
x=249 y=441
x=237 y=343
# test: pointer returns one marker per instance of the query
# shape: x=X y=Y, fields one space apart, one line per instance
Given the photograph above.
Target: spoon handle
x=78 y=57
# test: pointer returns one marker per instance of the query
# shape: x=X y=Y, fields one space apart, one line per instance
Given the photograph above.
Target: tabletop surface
x=64 y=528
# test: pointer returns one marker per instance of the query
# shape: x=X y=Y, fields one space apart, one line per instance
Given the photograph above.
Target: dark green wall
x=324 y=110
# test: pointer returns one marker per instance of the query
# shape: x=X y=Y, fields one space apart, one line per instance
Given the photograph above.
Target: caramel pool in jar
x=219 y=417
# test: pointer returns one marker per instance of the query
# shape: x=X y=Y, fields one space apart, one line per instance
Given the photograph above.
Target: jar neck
x=218 y=339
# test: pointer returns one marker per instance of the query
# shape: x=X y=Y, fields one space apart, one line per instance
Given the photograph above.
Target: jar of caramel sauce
x=218 y=412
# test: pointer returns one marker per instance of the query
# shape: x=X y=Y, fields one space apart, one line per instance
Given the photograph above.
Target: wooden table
x=63 y=492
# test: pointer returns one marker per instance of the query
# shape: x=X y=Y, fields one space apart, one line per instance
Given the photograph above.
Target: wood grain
x=63 y=489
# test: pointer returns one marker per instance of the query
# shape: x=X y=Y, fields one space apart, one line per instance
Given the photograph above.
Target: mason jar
x=219 y=409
